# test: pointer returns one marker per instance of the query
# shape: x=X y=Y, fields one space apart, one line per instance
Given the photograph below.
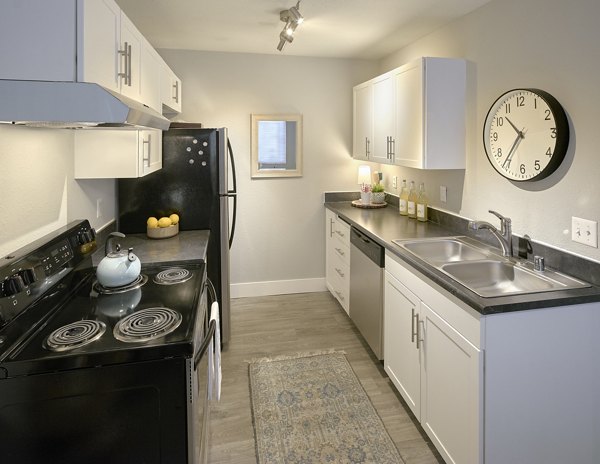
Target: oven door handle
x=210 y=333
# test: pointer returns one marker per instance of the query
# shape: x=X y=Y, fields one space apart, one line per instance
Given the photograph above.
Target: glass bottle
x=422 y=204
x=412 y=201
x=403 y=198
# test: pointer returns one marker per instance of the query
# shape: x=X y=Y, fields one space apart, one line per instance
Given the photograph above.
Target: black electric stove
x=93 y=374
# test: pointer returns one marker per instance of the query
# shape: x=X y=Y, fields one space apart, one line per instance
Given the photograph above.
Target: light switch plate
x=443 y=193
x=584 y=231
x=395 y=182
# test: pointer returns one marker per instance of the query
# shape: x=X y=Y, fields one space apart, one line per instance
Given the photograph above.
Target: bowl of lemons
x=163 y=227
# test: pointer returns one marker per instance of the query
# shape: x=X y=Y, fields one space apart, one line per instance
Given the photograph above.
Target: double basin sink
x=483 y=271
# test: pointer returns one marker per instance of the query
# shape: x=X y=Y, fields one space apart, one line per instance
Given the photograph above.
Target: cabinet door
x=99 y=35
x=150 y=77
x=131 y=67
x=170 y=90
x=409 y=115
x=150 y=151
x=450 y=389
x=401 y=357
x=384 y=108
x=363 y=121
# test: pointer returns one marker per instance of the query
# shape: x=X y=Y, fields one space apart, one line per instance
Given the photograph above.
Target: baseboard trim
x=278 y=287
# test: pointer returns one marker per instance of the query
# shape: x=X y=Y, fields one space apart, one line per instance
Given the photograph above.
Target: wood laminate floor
x=287 y=324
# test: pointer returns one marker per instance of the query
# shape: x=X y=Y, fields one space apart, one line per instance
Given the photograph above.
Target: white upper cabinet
x=413 y=116
x=384 y=108
x=80 y=40
x=132 y=153
x=363 y=121
x=98 y=43
x=170 y=90
x=430 y=114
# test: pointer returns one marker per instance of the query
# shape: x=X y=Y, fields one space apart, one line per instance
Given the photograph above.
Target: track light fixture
x=292 y=18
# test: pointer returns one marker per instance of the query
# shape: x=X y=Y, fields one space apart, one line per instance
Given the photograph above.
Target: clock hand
x=513 y=126
x=520 y=136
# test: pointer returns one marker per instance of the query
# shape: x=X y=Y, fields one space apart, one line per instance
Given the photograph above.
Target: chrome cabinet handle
x=126 y=53
x=341 y=297
x=341 y=274
x=330 y=227
x=176 y=88
x=421 y=326
x=146 y=143
x=367 y=145
x=412 y=326
x=341 y=234
x=340 y=251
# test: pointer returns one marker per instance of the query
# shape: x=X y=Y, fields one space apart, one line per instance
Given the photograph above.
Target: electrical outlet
x=443 y=193
x=395 y=182
x=584 y=231
x=98 y=207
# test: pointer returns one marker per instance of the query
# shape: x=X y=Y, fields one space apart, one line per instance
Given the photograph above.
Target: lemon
x=152 y=222
x=164 y=222
x=174 y=219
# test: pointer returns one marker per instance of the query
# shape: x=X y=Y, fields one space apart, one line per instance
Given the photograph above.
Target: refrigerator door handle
x=232 y=192
x=232 y=232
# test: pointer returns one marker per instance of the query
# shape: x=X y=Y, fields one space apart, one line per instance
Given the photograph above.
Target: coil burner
x=137 y=283
x=75 y=335
x=172 y=276
x=147 y=324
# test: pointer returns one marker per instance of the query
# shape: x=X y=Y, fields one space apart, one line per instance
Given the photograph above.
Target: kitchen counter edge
x=385 y=224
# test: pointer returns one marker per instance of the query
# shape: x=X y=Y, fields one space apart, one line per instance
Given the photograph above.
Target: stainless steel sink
x=495 y=278
x=443 y=250
x=484 y=271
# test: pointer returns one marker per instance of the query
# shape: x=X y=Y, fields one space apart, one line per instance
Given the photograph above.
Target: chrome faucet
x=504 y=235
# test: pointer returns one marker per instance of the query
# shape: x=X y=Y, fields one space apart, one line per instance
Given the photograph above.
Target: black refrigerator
x=197 y=182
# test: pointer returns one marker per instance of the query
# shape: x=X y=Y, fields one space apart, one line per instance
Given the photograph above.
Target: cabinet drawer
x=339 y=279
x=341 y=251
x=341 y=231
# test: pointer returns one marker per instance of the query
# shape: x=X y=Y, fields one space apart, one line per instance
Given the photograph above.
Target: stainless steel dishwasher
x=366 y=289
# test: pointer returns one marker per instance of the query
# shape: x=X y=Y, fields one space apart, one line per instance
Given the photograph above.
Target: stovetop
x=59 y=308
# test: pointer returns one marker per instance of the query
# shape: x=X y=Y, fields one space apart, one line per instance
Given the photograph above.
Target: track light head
x=292 y=18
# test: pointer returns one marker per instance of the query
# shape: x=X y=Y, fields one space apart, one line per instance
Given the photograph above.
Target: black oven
x=73 y=387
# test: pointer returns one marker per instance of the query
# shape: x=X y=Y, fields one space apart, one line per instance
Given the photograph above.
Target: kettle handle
x=108 y=244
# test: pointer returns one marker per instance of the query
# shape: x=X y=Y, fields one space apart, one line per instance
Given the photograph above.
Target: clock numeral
x=549 y=151
x=535 y=103
x=507 y=108
x=547 y=118
x=495 y=136
x=499 y=153
x=522 y=169
x=520 y=100
x=553 y=134
x=536 y=165
x=499 y=121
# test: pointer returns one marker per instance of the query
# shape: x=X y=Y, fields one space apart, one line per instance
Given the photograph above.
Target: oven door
x=201 y=376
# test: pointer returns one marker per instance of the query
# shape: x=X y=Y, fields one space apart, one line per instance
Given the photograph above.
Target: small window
x=276 y=145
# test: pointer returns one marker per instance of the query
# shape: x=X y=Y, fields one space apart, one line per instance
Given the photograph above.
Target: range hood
x=72 y=105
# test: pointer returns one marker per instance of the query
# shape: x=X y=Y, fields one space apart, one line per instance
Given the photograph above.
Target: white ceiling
x=369 y=29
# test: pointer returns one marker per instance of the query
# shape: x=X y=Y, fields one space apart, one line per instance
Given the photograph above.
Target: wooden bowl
x=162 y=232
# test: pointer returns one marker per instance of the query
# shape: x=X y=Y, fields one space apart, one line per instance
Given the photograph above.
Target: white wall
x=37 y=191
x=547 y=44
x=280 y=225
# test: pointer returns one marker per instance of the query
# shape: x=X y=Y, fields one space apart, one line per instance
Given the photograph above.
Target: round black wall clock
x=526 y=134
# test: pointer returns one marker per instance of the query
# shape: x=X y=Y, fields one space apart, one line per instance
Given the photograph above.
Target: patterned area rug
x=313 y=409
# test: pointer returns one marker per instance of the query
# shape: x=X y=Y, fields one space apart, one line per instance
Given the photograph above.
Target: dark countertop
x=385 y=224
x=187 y=246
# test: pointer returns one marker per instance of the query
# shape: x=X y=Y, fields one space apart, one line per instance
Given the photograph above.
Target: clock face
x=526 y=134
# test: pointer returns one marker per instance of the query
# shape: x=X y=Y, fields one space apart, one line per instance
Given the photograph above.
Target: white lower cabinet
x=111 y=153
x=337 y=258
x=436 y=368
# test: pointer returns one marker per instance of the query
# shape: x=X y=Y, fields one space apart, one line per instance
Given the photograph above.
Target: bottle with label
x=404 y=199
x=422 y=204
x=412 y=201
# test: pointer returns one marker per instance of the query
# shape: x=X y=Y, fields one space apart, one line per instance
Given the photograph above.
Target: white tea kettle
x=117 y=268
